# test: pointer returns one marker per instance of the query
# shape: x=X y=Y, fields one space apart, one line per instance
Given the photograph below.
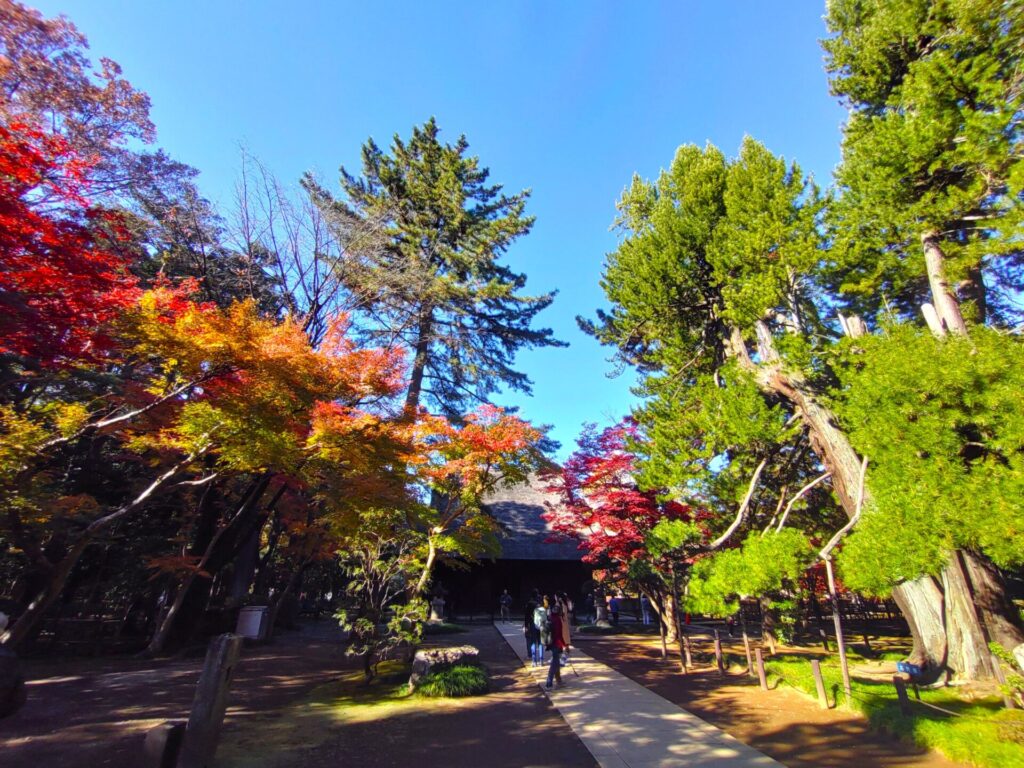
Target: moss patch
x=976 y=734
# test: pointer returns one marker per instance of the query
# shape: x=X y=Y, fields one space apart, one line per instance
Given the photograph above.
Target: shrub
x=458 y=680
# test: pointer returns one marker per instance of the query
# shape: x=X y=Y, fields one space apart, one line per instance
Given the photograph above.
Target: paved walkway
x=625 y=725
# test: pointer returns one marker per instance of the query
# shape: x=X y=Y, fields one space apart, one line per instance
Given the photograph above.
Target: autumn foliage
x=600 y=499
x=192 y=414
x=62 y=276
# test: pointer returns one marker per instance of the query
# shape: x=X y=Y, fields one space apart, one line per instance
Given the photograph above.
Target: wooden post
x=901 y=694
x=840 y=643
x=679 y=625
x=163 y=744
x=819 y=684
x=664 y=641
x=761 y=677
x=718 y=654
x=746 y=647
x=210 y=702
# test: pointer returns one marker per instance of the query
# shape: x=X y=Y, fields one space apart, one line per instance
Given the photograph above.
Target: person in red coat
x=558 y=643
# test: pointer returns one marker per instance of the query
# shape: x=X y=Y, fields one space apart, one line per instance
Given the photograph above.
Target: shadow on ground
x=88 y=713
x=782 y=723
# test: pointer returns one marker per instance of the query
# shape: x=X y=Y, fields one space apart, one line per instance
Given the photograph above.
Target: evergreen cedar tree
x=426 y=232
x=724 y=288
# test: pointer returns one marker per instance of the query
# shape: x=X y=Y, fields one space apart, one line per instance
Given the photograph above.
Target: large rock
x=432 y=659
x=12 y=683
x=1018 y=654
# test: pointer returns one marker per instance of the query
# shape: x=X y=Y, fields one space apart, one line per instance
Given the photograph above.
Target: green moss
x=977 y=734
x=455 y=681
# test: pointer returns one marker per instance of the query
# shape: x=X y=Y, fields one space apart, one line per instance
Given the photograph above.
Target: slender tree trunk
x=946 y=305
x=190 y=601
x=419 y=363
x=678 y=626
x=428 y=567
x=275 y=604
x=27 y=625
x=768 y=624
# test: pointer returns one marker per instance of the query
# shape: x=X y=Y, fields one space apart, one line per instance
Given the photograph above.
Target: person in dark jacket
x=532 y=633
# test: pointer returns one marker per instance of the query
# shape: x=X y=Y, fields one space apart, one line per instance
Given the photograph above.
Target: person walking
x=645 y=609
x=532 y=634
x=505 y=604
x=557 y=641
x=541 y=624
x=566 y=605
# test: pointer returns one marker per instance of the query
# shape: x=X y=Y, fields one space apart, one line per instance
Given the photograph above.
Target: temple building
x=532 y=557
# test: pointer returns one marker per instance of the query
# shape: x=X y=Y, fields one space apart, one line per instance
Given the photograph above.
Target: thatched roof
x=525 y=533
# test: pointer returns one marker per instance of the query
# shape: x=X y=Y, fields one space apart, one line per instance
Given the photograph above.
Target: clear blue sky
x=566 y=98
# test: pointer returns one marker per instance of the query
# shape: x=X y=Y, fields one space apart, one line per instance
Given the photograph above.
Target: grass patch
x=980 y=734
x=443 y=628
x=458 y=680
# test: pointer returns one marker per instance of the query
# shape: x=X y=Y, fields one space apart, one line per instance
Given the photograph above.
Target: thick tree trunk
x=245 y=563
x=769 y=622
x=275 y=604
x=999 y=616
x=666 y=610
x=968 y=649
x=943 y=623
x=972 y=290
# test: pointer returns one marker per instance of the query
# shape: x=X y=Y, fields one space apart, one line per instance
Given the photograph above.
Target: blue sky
x=566 y=98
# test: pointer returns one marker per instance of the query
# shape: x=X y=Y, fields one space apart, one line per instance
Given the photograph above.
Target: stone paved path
x=625 y=725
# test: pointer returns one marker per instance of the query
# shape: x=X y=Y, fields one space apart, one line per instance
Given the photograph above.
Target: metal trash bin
x=252 y=621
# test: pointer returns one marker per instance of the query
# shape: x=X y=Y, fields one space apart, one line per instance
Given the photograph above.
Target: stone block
x=431 y=659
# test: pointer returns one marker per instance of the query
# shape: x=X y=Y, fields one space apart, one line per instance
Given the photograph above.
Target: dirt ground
x=514 y=725
x=87 y=713
x=782 y=723
x=95 y=712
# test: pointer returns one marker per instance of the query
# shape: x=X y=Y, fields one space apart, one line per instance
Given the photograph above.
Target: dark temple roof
x=525 y=533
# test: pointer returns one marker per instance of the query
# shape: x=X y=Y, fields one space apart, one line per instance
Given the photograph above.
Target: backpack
x=540 y=621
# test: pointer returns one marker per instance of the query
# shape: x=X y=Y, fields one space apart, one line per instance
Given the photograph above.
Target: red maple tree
x=62 y=275
x=601 y=503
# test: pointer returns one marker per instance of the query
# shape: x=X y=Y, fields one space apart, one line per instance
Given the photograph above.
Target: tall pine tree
x=425 y=233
